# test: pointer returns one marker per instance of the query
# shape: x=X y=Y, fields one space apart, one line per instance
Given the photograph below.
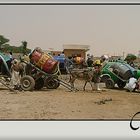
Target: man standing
x=97 y=74
x=90 y=61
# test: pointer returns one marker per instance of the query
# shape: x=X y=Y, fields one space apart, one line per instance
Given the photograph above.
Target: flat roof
x=76 y=47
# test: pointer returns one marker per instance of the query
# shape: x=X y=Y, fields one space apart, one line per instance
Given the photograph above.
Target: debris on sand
x=103 y=101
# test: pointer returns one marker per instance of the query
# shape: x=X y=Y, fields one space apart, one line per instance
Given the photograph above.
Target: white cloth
x=11 y=57
x=15 y=79
x=131 y=84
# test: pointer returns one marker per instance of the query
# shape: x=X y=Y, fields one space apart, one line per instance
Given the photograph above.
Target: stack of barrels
x=43 y=61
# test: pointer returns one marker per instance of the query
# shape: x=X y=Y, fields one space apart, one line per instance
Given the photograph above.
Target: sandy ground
x=62 y=104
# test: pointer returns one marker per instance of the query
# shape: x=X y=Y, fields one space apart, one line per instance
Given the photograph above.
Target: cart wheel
x=121 y=84
x=109 y=83
x=104 y=78
x=39 y=83
x=52 y=83
x=27 y=83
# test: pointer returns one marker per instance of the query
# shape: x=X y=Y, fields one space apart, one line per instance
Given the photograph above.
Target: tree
x=24 y=47
x=130 y=57
x=6 y=48
x=3 y=40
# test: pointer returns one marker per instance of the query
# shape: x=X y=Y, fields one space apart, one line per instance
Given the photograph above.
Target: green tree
x=130 y=57
x=6 y=48
x=3 y=40
x=24 y=47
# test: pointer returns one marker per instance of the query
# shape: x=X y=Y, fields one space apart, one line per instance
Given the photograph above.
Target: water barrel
x=45 y=57
x=35 y=56
x=50 y=66
x=123 y=71
x=133 y=70
x=44 y=61
x=78 y=60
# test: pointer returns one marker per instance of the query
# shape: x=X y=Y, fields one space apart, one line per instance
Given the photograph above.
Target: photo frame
x=71 y=128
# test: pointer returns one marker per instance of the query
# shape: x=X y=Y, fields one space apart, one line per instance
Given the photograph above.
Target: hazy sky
x=107 y=29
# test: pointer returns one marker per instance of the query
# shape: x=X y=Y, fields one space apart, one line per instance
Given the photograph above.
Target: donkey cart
x=36 y=78
x=41 y=71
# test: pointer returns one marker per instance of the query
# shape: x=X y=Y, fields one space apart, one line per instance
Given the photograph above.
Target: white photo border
x=67 y=129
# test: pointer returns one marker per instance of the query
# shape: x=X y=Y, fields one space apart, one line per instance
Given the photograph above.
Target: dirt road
x=62 y=104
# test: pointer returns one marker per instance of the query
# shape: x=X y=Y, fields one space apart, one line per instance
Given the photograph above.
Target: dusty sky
x=107 y=29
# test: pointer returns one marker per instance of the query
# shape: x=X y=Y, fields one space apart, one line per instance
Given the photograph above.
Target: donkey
x=82 y=74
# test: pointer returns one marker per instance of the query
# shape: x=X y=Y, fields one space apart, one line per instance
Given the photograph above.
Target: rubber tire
x=39 y=83
x=104 y=78
x=109 y=83
x=30 y=81
x=121 y=84
x=51 y=83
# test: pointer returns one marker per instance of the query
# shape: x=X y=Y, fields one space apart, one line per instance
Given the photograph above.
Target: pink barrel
x=43 y=61
x=35 y=56
x=44 y=58
x=50 y=66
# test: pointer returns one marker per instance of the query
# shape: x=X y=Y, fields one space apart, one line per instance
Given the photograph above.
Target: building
x=53 y=52
x=73 y=49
